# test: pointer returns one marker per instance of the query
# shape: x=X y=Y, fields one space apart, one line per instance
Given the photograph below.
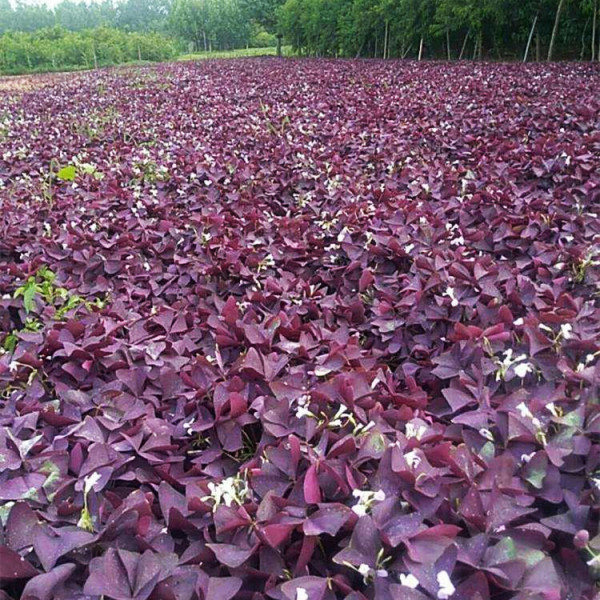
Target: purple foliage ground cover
x=301 y=330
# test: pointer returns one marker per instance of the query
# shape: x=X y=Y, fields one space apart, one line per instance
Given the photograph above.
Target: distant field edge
x=240 y=53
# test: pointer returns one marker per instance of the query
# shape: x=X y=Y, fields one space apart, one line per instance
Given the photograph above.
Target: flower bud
x=581 y=539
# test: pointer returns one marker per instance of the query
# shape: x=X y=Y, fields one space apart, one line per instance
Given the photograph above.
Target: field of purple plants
x=301 y=330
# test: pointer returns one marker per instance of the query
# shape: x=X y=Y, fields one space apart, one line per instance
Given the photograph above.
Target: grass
x=240 y=53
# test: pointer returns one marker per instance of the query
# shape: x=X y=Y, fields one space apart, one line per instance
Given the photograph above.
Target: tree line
x=418 y=29
x=57 y=49
x=205 y=24
x=448 y=29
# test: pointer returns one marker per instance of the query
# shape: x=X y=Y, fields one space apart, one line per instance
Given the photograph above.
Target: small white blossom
x=90 y=481
x=409 y=581
x=594 y=562
x=525 y=458
x=233 y=490
x=359 y=509
x=365 y=500
x=447 y=589
x=364 y=570
x=487 y=434
x=524 y=411
x=409 y=248
x=522 y=369
x=379 y=496
x=413 y=460
x=415 y=431
x=565 y=330
x=13 y=366
x=451 y=294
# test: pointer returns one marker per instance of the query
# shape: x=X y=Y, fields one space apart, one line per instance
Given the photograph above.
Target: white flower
x=451 y=294
x=301 y=594
x=365 y=500
x=302 y=412
x=522 y=369
x=381 y=573
x=552 y=408
x=302 y=408
x=90 y=481
x=342 y=413
x=412 y=459
x=361 y=429
x=525 y=458
x=233 y=490
x=487 y=434
x=518 y=322
x=594 y=562
x=364 y=570
x=446 y=588
x=379 y=496
x=412 y=431
x=565 y=330
x=409 y=248
x=409 y=581
x=524 y=411
x=13 y=366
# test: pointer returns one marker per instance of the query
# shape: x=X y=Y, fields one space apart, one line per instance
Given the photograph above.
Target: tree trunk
x=464 y=46
x=594 y=30
x=376 y=42
x=559 y=8
x=480 y=54
x=421 y=48
x=360 y=49
x=538 y=47
x=530 y=38
x=408 y=49
x=582 y=53
x=204 y=37
x=139 y=53
x=385 y=38
x=448 y=44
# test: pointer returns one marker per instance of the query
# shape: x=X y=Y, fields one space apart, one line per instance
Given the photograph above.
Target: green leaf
x=67 y=173
x=29 y=297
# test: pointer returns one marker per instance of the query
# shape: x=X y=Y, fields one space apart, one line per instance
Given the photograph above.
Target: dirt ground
x=27 y=83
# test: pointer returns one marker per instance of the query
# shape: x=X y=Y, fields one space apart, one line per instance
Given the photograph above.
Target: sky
x=49 y=3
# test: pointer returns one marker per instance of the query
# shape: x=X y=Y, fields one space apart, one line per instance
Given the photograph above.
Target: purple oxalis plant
x=301 y=330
